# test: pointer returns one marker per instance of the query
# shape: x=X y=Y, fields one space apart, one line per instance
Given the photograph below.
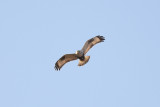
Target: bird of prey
x=80 y=54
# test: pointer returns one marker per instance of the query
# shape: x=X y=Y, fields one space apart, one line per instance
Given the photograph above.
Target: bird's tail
x=82 y=62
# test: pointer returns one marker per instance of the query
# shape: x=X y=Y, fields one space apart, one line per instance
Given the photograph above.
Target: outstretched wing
x=64 y=59
x=91 y=42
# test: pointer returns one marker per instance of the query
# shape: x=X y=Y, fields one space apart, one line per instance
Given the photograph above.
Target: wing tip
x=102 y=38
x=57 y=68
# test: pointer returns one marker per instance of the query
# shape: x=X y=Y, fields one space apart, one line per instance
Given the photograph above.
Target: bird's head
x=77 y=52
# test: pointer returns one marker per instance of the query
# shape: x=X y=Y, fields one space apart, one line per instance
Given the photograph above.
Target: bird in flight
x=80 y=54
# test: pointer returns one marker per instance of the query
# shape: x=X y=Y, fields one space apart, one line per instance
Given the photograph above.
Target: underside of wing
x=91 y=42
x=64 y=59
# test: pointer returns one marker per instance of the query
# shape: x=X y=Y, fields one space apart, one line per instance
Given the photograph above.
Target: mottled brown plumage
x=91 y=42
x=80 y=54
x=64 y=59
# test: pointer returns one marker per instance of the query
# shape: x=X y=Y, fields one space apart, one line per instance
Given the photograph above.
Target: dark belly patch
x=81 y=58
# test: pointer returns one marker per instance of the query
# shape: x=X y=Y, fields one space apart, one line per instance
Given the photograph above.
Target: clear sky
x=123 y=71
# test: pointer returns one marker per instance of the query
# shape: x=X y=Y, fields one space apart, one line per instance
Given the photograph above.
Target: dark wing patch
x=64 y=59
x=91 y=42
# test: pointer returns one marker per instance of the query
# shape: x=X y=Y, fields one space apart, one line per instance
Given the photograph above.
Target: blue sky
x=123 y=71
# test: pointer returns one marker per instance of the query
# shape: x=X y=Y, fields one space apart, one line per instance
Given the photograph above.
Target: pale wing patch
x=96 y=40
